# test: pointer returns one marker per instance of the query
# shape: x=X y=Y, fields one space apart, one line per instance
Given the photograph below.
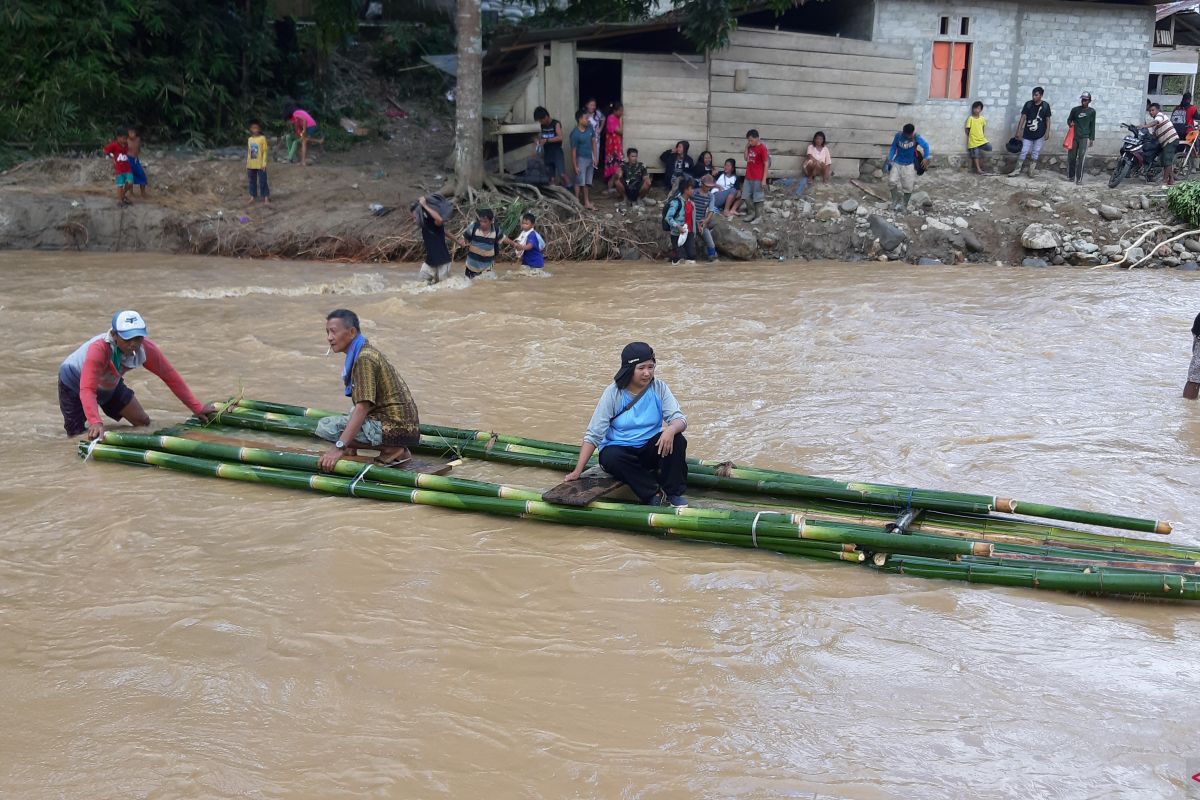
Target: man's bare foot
x=267 y=200
x=390 y=456
x=250 y=202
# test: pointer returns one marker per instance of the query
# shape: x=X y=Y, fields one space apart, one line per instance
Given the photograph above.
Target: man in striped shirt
x=1164 y=130
x=482 y=240
x=702 y=201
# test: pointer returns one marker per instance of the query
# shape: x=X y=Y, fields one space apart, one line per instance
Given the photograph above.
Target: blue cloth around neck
x=351 y=355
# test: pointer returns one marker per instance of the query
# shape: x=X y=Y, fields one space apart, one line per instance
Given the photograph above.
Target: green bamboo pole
x=512 y=454
x=993 y=527
x=651 y=517
x=1102 y=583
x=648 y=522
x=868 y=492
x=1156 y=585
x=269 y=457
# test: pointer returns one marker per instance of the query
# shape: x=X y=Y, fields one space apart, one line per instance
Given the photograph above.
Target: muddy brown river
x=171 y=636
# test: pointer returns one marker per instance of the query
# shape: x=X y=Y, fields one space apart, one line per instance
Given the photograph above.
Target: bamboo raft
x=894 y=529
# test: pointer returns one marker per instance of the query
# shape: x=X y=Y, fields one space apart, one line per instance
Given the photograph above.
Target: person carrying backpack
x=678 y=219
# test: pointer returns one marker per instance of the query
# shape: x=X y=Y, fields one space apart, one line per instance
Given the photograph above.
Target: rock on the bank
x=1034 y=262
x=1038 y=237
x=1111 y=213
x=849 y=206
x=735 y=242
x=829 y=211
x=922 y=199
x=972 y=242
x=890 y=237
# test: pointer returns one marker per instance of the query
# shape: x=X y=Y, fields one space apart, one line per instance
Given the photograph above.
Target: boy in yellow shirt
x=977 y=143
x=256 y=164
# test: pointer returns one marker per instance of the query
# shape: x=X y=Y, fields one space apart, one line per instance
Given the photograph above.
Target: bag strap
x=633 y=402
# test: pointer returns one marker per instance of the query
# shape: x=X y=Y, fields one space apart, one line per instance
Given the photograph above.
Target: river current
x=171 y=636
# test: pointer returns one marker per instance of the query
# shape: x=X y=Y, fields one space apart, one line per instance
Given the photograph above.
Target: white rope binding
x=754 y=528
x=354 y=482
x=91 y=446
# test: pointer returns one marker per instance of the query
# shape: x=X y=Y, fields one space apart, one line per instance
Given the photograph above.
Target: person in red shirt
x=757 y=159
x=118 y=149
x=92 y=379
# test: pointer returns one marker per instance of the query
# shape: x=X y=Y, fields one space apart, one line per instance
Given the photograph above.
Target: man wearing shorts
x=907 y=149
x=1163 y=130
x=92 y=379
x=757 y=158
x=549 y=143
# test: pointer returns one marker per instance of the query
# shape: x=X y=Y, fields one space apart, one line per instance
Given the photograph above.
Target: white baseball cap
x=128 y=324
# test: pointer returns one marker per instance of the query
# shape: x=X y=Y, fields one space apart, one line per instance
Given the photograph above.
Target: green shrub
x=1183 y=200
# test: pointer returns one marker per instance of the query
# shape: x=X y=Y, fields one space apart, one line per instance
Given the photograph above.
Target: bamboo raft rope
x=952 y=535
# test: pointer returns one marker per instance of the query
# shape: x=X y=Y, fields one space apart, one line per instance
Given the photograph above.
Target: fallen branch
x=867 y=190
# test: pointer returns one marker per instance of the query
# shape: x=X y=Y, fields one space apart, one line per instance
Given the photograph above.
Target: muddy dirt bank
x=197 y=204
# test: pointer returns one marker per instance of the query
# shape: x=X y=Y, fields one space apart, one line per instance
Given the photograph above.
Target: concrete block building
x=855 y=69
x=997 y=51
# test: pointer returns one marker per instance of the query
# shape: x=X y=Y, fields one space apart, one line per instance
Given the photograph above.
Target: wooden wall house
x=787 y=85
x=790 y=85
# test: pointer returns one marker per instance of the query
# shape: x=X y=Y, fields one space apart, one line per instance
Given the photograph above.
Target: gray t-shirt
x=581 y=143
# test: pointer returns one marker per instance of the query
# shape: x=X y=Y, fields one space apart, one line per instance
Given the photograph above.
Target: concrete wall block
x=1066 y=47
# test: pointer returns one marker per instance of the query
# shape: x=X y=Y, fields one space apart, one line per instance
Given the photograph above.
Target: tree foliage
x=190 y=69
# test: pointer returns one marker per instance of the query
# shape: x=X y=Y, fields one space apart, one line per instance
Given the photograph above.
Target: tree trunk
x=468 y=99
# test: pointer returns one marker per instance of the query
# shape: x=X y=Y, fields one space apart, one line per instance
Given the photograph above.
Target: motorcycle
x=1139 y=155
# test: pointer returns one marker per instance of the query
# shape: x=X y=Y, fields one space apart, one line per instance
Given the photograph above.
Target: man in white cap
x=92 y=378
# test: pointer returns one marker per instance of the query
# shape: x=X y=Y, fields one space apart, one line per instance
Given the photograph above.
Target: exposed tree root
x=571 y=233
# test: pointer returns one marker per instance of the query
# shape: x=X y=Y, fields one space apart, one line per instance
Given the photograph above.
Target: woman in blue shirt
x=638 y=429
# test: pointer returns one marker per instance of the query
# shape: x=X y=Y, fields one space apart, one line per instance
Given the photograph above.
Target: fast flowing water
x=171 y=636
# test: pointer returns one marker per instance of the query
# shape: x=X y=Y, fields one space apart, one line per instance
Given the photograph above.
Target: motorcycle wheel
x=1183 y=165
x=1120 y=173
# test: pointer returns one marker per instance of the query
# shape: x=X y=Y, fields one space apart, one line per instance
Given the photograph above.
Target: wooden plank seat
x=593 y=484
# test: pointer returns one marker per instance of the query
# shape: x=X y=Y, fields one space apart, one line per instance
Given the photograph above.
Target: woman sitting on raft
x=627 y=429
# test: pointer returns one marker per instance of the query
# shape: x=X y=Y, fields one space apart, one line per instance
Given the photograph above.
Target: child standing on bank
x=135 y=161
x=583 y=142
x=256 y=165
x=977 y=142
x=118 y=150
x=757 y=159
x=530 y=243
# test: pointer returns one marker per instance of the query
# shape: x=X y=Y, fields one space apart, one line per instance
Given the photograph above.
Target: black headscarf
x=633 y=354
x=1196 y=326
